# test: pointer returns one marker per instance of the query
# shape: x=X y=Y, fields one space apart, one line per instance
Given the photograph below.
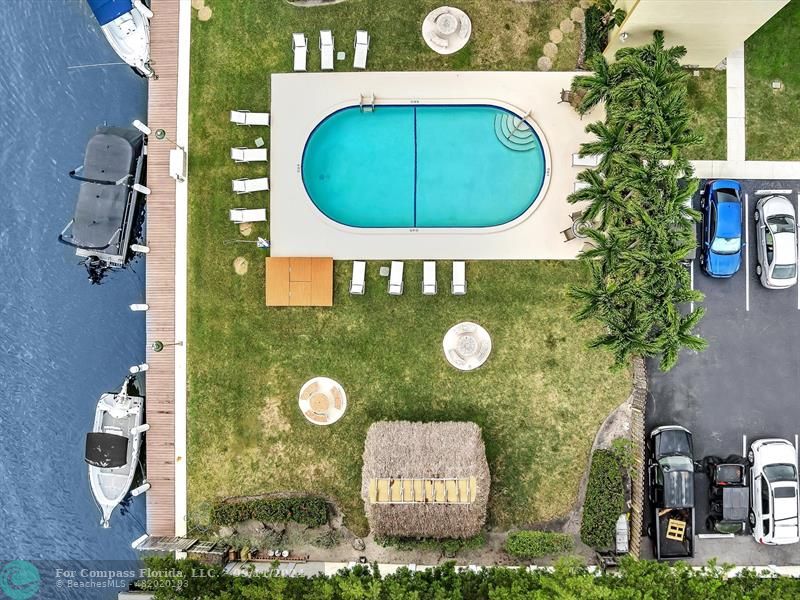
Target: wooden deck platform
x=160 y=285
x=299 y=281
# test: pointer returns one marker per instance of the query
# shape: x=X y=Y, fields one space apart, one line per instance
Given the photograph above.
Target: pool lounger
x=248 y=215
x=357 y=282
x=361 y=45
x=429 y=278
x=590 y=160
x=581 y=185
x=396 y=278
x=245 y=186
x=300 y=49
x=459 y=278
x=326 y=49
x=246 y=155
x=245 y=117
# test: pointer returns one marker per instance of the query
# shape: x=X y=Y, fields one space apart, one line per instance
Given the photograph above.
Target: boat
x=126 y=25
x=107 y=211
x=113 y=446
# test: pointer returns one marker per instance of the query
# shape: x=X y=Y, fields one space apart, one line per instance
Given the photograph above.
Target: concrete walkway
x=735 y=93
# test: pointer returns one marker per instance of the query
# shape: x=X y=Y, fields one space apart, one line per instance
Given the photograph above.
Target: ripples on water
x=63 y=341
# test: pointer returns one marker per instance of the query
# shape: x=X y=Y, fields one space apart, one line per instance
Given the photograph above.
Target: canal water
x=63 y=340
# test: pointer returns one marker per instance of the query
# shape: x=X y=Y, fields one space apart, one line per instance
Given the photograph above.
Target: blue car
x=721 y=247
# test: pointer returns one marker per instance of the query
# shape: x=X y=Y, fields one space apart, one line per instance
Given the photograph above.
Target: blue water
x=422 y=166
x=63 y=341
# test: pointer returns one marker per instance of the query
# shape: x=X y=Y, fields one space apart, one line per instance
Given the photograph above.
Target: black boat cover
x=111 y=154
x=106 y=450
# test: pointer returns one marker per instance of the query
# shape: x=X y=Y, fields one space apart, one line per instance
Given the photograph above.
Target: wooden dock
x=160 y=285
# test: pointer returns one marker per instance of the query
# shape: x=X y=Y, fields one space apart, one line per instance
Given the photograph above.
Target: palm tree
x=597 y=86
x=678 y=335
x=605 y=203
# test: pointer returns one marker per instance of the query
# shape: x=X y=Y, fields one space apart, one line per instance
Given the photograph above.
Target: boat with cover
x=126 y=25
x=113 y=446
x=107 y=210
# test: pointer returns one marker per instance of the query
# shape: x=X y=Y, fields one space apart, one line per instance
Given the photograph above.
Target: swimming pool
x=424 y=166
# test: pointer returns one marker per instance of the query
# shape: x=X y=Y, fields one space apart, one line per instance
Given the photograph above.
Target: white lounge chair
x=590 y=160
x=459 y=278
x=245 y=155
x=581 y=185
x=429 y=278
x=326 y=49
x=245 y=186
x=361 y=45
x=248 y=215
x=357 y=284
x=396 y=278
x=300 y=49
x=245 y=117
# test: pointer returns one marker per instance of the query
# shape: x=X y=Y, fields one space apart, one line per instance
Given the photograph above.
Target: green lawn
x=773 y=117
x=540 y=397
x=707 y=100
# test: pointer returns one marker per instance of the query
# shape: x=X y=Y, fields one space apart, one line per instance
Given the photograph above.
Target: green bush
x=605 y=501
x=596 y=32
x=306 y=510
x=533 y=544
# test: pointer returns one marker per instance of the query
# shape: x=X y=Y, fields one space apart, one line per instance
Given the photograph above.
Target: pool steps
x=513 y=133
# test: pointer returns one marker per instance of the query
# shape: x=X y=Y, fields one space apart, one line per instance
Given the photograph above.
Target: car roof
x=729 y=219
x=784 y=247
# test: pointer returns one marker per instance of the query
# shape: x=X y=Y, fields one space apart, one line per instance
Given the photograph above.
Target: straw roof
x=423 y=453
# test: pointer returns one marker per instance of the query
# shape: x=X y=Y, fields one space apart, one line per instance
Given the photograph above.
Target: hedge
x=533 y=544
x=596 y=32
x=306 y=510
x=605 y=501
x=448 y=547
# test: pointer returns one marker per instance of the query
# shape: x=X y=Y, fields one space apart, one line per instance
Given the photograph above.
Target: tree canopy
x=638 y=204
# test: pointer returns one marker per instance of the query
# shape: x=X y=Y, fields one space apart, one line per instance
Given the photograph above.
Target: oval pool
x=424 y=166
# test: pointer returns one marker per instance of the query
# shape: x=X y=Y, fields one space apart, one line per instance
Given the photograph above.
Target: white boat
x=112 y=447
x=126 y=25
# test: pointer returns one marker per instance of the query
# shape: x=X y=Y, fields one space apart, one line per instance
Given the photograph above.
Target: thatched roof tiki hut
x=426 y=480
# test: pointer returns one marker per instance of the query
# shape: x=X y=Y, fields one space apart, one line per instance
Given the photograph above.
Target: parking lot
x=747 y=383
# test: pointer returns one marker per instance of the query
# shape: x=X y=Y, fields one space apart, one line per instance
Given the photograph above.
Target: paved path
x=735 y=92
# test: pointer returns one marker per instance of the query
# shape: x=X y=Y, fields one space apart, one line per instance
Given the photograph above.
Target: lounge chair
x=245 y=155
x=569 y=234
x=576 y=216
x=300 y=49
x=361 y=45
x=396 y=278
x=357 y=282
x=429 y=278
x=245 y=117
x=590 y=160
x=581 y=185
x=246 y=186
x=459 y=287
x=326 y=49
x=248 y=215
x=337 y=398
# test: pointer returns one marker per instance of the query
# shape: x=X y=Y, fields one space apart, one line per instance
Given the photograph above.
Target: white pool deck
x=301 y=100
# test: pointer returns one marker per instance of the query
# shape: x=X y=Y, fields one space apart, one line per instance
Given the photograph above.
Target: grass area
x=773 y=52
x=540 y=397
x=707 y=101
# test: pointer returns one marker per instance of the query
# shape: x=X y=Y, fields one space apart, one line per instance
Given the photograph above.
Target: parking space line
x=691 y=284
x=796 y=211
x=747 y=251
x=744 y=445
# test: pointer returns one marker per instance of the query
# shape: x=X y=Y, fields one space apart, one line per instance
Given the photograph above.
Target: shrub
x=328 y=539
x=596 y=32
x=533 y=544
x=605 y=501
x=306 y=510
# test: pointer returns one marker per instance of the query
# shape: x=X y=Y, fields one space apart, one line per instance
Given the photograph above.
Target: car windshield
x=722 y=245
x=782 y=472
x=784 y=271
x=781 y=223
x=727 y=196
x=676 y=463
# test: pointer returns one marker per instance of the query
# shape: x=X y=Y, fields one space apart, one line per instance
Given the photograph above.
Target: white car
x=774 y=507
x=776 y=237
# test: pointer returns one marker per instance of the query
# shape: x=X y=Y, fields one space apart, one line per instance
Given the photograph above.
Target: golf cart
x=728 y=496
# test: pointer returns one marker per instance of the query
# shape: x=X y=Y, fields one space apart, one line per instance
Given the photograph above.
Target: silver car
x=776 y=237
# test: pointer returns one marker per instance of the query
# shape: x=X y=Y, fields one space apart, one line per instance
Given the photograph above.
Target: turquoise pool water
x=423 y=166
